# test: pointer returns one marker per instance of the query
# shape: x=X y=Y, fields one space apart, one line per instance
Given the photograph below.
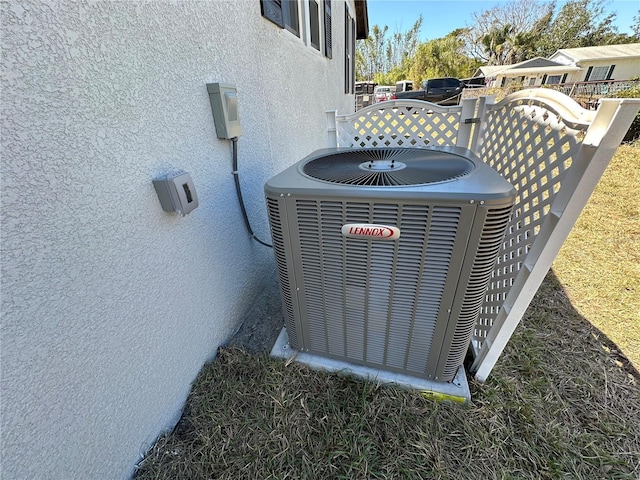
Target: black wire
x=236 y=177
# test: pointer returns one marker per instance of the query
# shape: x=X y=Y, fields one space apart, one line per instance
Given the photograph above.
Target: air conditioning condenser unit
x=384 y=255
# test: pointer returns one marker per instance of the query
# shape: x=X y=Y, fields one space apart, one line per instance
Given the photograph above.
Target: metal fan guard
x=383 y=167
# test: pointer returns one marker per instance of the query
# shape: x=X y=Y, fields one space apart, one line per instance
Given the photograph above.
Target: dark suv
x=443 y=91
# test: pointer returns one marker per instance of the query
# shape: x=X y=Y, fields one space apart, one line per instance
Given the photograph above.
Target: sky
x=440 y=17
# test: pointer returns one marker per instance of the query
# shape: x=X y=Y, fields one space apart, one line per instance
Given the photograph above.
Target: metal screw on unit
x=472 y=201
x=481 y=202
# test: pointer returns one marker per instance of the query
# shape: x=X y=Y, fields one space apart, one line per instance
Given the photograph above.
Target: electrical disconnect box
x=224 y=103
x=177 y=193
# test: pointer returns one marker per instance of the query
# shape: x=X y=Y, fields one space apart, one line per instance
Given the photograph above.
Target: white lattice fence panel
x=552 y=150
x=397 y=125
x=533 y=149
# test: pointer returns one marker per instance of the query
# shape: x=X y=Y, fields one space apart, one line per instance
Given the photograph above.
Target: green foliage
x=635 y=27
x=519 y=30
x=390 y=78
x=380 y=54
x=580 y=23
x=370 y=53
x=442 y=57
x=496 y=42
x=508 y=33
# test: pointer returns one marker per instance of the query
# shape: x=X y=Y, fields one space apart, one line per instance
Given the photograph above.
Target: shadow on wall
x=262 y=324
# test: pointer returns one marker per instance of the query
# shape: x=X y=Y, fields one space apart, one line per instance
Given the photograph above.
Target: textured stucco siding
x=110 y=306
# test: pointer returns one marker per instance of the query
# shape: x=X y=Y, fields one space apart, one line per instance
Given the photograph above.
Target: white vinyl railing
x=551 y=150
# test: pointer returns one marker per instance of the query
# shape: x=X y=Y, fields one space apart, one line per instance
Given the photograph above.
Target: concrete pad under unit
x=456 y=390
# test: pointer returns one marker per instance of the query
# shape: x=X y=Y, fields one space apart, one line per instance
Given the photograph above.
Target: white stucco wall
x=110 y=306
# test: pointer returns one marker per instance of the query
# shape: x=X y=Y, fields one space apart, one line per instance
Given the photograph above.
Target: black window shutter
x=272 y=10
x=589 y=70
x=564 y=78
x=544 y=79
x=352 y=80
x=327 y=29
x=347 y=47
x=610 y=72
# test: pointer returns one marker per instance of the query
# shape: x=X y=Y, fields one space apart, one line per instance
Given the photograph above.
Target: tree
x=635 y=27
x=442 y=57
x=370 y=53
x=506 y=33
x=379 y=56
x=580 y=23
x=403 y=46
x=496 y=44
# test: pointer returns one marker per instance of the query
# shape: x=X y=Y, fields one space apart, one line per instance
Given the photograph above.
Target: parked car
x=383 y=93
x=443 y=91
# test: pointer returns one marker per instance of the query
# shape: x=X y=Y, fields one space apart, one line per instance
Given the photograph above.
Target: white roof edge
x=602 y=52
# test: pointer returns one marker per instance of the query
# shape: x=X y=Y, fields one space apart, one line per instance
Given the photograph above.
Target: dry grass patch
x=599 y=264
x=557 y=406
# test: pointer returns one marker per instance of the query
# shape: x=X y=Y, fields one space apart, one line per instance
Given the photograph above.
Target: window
x=599 y=73
x=317 y=20
x=553 y=80
x=283 y=13
x=314 y=24
x=290 y=17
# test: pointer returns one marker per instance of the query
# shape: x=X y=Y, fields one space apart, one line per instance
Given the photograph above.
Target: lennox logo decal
x=369 y=230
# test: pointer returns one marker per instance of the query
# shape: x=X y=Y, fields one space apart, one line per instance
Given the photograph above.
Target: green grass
x=562 y=402
x=599 y=264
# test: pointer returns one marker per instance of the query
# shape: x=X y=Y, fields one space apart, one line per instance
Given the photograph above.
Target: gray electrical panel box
x=224 y=103
x=177 y=193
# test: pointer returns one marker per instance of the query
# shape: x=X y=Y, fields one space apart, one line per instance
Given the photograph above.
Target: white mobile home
x=586 y=64
x=608 y=62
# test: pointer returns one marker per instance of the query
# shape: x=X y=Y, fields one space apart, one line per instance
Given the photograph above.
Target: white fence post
x=332 y=130
x=468 y=122
x=481 y=108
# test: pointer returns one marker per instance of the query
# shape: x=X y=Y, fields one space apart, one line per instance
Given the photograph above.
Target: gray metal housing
x=407 y=305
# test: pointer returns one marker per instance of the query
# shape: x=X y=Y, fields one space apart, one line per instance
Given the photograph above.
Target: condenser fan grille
x=383 y=167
